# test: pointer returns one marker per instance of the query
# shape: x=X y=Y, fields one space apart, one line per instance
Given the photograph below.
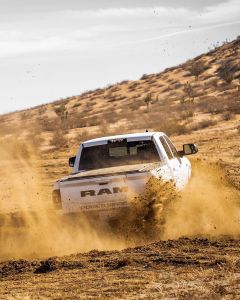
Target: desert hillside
x=191 y=96
x=197 y=101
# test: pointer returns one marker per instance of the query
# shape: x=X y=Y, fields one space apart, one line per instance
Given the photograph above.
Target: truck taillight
x=56 y=198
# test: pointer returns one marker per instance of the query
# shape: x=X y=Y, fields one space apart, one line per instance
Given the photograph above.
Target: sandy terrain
x=180 y=269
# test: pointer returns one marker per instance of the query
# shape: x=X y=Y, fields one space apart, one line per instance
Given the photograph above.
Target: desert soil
x=197 y=268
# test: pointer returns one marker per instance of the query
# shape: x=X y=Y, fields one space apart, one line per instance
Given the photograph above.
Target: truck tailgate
x=102 y=190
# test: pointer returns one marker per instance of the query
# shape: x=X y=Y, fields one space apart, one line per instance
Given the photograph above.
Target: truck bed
x=112 y=171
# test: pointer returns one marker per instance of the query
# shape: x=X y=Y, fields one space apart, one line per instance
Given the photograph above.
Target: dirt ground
x=198 y=258
x=176 y=269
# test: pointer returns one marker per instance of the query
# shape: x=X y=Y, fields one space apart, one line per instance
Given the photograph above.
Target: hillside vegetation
x=198 y=100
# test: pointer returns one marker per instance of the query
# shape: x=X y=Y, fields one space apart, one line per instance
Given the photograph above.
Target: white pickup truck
x=110 y=170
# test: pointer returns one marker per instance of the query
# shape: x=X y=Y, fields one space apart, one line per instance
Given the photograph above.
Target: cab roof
x=130 y=137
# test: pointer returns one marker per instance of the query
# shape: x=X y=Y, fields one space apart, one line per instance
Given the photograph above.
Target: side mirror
x=188 y=149
x=72 y=161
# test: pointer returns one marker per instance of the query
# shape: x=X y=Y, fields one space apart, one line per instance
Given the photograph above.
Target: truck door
x=175 y=162
x=185 y=165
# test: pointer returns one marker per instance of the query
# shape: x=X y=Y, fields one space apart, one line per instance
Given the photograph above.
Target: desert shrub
x=61 y=112
x=148 y=99
x=213 y=106
x=151 y=81
x=92 y=121
x=177 y=85
x=132 y=86
x=75 y=105
x=187 y=114
x=227 y=76
x=144 y=76
x=115 y=89
x=58 y=140
x=98 y=92
x=203 y=124
x=171 y=127
x=196 y=69
x=227 y=70
x=76 y=122
x=124 y=82
x=115 y=98
x=227 y=116
x=189 y=92
x=165 y=76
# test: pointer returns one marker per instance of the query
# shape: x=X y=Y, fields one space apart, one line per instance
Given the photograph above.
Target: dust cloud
x=209 y=206
x=30 y=228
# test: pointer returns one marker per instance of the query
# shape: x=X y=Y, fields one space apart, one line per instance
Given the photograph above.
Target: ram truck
x=109 y=171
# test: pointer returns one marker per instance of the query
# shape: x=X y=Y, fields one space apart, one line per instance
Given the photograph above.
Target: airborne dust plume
x=29 y=228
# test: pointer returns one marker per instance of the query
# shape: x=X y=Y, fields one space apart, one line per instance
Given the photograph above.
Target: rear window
x=118 y=153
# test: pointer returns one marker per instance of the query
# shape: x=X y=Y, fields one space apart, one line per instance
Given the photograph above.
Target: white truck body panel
x=108 y=189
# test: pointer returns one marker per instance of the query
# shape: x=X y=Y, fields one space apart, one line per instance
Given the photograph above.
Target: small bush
x=227 y=76
x=189 y=92
x=115 y=89
x=76 y=105
x=148 y=99
x=61 y=112
x=171 y=127
x=197 y=68
x=203 y=124
x=227 y=71
x=187 y=114
x=144 y=76
x=227 y=116
x=124 y=82
x=132 y=86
